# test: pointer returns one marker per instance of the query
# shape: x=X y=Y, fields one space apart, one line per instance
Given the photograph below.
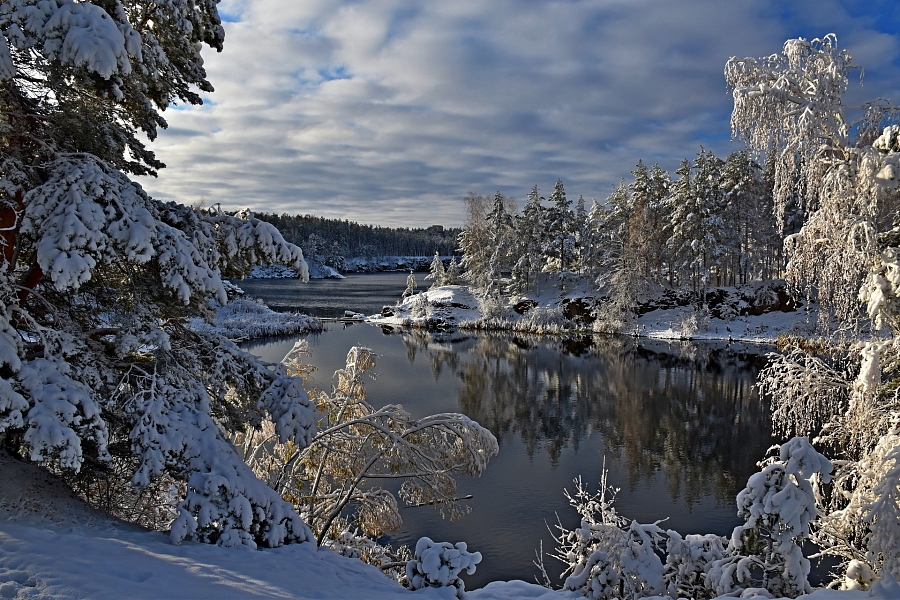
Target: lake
x=679 y=425
x=328 y=298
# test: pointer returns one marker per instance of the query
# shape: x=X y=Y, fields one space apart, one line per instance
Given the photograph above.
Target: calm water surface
x=679 y=425
x=365 y=293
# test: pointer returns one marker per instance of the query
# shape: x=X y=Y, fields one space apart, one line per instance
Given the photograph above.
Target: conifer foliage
x=97 y=279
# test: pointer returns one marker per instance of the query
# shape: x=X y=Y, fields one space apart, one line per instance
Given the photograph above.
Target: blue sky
x=389 y=111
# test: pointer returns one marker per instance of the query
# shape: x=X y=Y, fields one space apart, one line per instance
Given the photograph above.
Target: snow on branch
x=357 y=443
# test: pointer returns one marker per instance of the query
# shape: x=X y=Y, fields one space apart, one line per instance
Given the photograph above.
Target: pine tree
x=682 y=225
x=97 y=279
x=640 y=235
x=610 y=226
x=583 y=237
x=452 y=275
x=659 y=214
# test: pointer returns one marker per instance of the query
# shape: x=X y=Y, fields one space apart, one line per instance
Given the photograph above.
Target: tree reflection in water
x=688 y=411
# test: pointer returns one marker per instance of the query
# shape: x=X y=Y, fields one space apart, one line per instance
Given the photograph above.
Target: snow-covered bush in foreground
x=608 y=558
x=439 y=564
x=357 y=444
x=778 y=503
x=97 y=279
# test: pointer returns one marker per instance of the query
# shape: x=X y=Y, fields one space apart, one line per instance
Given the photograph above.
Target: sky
x=389 y=111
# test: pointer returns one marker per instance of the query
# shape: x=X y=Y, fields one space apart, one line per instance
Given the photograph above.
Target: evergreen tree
x=640 y=232
x=97 y=279
x=583 y=237
x=610 y=225
x=683 y=224
x=559 y=251
x=452 y=275
x=501 y=232
x=437 y=273
x=658 y=217
x=529 y=238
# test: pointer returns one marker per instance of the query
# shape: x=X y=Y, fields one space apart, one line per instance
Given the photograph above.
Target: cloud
x=389 y=111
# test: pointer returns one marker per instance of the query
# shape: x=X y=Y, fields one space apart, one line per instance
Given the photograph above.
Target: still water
x=679 y=425
x=365 y=293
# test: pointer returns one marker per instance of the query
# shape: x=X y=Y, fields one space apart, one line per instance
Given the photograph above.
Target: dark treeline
x=331 y=242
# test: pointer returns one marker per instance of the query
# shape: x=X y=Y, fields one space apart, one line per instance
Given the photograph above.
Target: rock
x=578 y=309
x=387 y=311
x=523 y=306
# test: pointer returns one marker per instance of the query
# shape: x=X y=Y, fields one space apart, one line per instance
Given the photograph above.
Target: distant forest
x=331 y=242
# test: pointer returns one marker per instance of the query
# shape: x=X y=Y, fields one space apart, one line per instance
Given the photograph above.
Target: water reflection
x=685 y=411
x=679 y=425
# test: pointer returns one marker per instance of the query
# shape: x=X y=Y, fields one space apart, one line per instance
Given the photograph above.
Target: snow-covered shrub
x=420 y=307
x=352 y=544
x=692 y=322
x=356 y=444
x=493 y=309
x=606 y=559
x=439 y=564
x=543 y=319
x=610 y=317
x=688 y=561
x=778 y=503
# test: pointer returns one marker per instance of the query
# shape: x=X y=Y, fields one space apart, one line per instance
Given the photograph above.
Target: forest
x=713 y=224
x=330 y=242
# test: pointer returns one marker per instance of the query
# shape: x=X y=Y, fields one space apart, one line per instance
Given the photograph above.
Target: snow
x=52 y=546
x=243 y=319
x=457 y=306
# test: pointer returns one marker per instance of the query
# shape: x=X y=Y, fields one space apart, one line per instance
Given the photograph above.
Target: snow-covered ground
x=52 y=546
x=457 y=306
x=244 y=318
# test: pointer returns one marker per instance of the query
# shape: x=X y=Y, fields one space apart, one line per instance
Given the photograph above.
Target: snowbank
x=54 y=547
x=243 y=318
x=552 y=312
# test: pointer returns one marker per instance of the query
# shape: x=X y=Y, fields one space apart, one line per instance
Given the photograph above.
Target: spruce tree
x=98 y=280
x=529 y=238
x=559 y=251
x=437 y=273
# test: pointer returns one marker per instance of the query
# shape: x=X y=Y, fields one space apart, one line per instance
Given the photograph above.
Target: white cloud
x=389 y=111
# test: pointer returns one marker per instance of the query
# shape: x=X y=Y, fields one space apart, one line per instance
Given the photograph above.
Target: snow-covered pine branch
x=97 y=279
